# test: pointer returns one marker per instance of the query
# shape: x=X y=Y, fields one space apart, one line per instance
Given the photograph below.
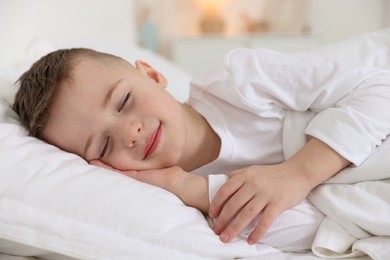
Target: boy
x=119 y=116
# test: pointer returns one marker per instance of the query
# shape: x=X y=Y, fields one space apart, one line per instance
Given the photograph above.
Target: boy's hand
x=271 y=189
x=249 y=191
x=167 y=178
x=191 y=189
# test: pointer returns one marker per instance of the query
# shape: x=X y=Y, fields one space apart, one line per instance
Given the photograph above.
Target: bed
x=53 y=205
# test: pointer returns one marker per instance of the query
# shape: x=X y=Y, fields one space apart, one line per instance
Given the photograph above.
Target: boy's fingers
x=163 y=178
x=101 y=164
x=148 y=176
x=159 y=177
x=104 y=165
x=266 y=219
x=231 y=209
x=223 y=194
x=131 y=174
x=243 y=218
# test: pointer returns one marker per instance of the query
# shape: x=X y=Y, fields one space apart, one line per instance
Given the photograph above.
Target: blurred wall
x=336 y=20
x=24 y=21
x=331 y=20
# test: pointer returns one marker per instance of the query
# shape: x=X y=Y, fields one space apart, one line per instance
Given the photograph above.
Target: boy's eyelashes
x=120 y=108
x=105 y=147
x=123 y=103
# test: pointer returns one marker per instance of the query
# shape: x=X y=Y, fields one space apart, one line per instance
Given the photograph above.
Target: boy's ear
x=150 y=72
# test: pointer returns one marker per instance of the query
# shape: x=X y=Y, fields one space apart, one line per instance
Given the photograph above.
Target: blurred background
x=191 y=33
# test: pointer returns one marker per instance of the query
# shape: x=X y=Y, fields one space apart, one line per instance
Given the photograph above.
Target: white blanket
x=356 y=201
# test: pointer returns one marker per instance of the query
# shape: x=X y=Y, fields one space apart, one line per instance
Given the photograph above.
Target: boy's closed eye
x=123 y=103
x=108 y=139
x=105 y=147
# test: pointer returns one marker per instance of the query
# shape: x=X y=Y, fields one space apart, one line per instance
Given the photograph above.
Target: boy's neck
x=202 y=143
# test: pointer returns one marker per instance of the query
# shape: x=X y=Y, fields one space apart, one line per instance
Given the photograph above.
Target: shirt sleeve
x=215 y=182
x=351 y=100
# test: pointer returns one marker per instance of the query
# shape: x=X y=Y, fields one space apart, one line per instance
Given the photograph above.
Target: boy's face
x=118 y=114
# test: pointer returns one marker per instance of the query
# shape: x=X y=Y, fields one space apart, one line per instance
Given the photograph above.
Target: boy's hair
x=40 y=84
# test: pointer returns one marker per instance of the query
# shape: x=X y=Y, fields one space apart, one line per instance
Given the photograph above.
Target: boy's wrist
x=315 y=163
x=193 y=191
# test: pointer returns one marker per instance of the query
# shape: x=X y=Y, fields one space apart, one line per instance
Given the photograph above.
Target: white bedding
x=55 y=206
x=356 y=201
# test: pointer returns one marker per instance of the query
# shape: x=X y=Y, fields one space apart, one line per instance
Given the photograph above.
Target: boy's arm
x=191 y=189
x=271 y=189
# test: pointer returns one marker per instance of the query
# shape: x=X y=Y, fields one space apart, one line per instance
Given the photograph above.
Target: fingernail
x=224 y=237
x=211 y=214
x=251 y=241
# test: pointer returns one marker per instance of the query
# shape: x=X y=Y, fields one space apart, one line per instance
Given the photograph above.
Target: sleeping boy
x=119 y=116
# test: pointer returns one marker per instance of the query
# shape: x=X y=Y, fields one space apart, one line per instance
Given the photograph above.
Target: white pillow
x=54 y=204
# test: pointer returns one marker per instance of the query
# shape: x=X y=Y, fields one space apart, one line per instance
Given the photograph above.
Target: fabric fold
x=356 y=201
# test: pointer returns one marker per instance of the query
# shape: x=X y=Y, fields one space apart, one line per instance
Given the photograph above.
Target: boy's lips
x=153 y=142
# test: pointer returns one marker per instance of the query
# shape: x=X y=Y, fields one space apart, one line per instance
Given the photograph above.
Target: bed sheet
x=276 y=256
x=356 y=201
x=10 y=257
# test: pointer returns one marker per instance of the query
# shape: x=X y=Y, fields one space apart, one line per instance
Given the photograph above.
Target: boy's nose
x=131 y=136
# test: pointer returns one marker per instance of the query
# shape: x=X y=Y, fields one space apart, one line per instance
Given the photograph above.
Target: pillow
x=54 y=205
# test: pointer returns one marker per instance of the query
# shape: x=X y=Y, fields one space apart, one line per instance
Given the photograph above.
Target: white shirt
x=246 y=99
x=246 y=96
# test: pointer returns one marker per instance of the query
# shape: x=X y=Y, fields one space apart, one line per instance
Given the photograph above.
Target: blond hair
x=39 y=85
